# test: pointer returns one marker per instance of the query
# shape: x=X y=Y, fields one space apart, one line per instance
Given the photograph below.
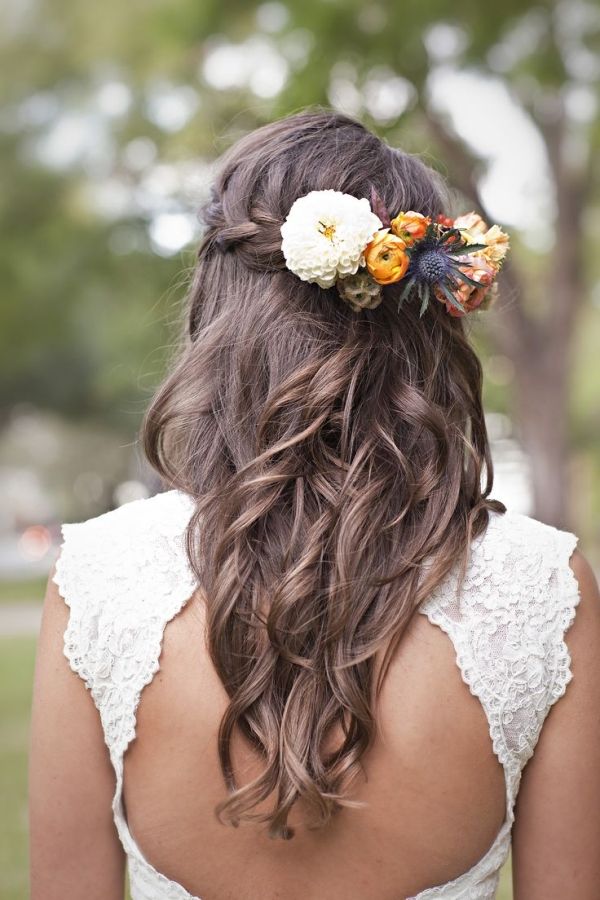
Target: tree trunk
x=540 y=346
x=542 y=402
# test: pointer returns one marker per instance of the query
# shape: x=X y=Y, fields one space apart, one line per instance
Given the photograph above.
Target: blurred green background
x=111 y=119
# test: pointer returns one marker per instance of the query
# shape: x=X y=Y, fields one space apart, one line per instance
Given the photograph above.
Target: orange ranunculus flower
x=410 y=226
x=386 y=257
x=468 y=296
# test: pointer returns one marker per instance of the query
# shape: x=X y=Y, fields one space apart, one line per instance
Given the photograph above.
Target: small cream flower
x=474 y=230
x=471 y=222
x=497 y=244
x=471 y=227
x=325 y=235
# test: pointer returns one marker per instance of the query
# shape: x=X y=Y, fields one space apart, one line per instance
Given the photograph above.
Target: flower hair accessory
x=333 y=238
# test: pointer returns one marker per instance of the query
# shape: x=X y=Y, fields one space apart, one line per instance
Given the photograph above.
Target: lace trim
x=568 y=588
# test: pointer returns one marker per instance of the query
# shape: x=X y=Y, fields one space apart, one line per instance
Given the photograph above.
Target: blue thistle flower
x=435 y=262
x=431 y=265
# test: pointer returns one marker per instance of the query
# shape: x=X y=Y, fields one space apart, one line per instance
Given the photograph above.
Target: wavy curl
x=339 y=463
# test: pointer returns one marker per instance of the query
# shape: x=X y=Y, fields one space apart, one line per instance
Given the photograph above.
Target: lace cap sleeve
x=565 y=598
x=72 y=577
x=123 y=575
x=508 y=623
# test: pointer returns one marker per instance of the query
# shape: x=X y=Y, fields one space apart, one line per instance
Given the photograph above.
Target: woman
x=249 y=637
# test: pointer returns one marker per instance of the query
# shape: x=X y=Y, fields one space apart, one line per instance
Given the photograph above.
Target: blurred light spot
x=109 y=198
x=387 y=95
x=372 y=18
x=172 y=188
x=444 y=41
x=19 y=18
x=576 y=19
x=128 y=491
x=24 y=497
x=139 y=153
x=75 y=138
x=34 y=542
x=37 y=110
x=170 y=232
x=343 y=93
x=512 y=476
x=113 y=98
x=296 y=46
x=272 y=17
x=255 y=64
x=520 y=41
x=498 y=425
x=512 y=466
x=157 y=188
x=31 y=430
x=171 y=107
x=577 y=25
x=581 y=102
x=88 y=487
x=582 y=63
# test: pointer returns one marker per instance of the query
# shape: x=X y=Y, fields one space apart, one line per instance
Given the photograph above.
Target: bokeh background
x=112 y=116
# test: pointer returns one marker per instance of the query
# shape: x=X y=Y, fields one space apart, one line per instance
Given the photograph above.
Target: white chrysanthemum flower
x=325 y=235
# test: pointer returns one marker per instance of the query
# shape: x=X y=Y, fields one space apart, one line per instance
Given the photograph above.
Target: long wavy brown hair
x=338 y=460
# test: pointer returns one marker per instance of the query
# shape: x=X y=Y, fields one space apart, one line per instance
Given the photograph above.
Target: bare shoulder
x=55 y=616
x=586 y=579
x=59 y=691
x=557 y=826
x=73 y=842
x=583 y=637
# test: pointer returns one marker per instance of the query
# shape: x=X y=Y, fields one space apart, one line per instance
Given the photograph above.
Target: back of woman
x=320 y=664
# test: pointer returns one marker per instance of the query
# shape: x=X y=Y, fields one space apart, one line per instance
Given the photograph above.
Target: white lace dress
x=125 y=574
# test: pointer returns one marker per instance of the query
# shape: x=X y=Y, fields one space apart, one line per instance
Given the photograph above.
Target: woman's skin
x=435 y=790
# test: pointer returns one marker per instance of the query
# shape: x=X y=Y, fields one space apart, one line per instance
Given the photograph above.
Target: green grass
x=16 y=674
x=22 y=590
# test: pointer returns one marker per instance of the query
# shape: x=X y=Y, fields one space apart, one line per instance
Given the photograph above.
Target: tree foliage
x=87 y=297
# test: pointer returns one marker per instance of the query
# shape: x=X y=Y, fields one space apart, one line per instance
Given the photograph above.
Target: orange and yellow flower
x=469 y=297
x=410 y=226
x=474 y=230
x=496 y=245
x=471 y=222
x=386 y=257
